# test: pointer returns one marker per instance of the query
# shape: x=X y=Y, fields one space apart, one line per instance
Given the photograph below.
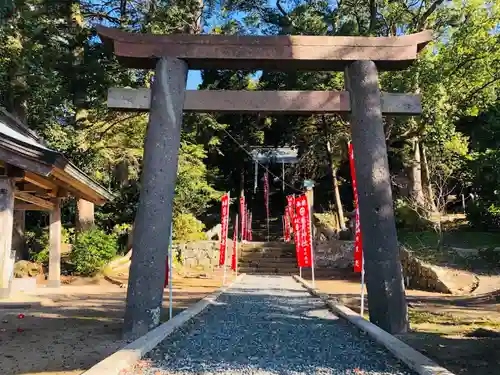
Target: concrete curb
x=413 y=359
x=133 y=352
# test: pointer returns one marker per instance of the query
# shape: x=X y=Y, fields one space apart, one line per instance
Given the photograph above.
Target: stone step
x=267 y=245
x=267 y=256
x=266 y=263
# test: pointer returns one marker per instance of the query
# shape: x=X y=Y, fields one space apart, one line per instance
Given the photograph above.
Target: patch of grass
x=447 y=323
x=455 y=238
x=425 y=246
x=472 y=239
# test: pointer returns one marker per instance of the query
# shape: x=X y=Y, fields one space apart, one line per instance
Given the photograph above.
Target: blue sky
x=194 y=79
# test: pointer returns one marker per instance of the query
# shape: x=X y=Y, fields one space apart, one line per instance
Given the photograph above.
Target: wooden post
x=6 y=226
x=154 y=214
x=55 y=234
x=18 y=240
x=386 y=295
x=84 y=215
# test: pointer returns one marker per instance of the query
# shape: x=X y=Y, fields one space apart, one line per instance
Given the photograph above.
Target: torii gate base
x=359 y=56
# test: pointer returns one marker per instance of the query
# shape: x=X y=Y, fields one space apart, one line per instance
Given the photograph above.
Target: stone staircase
x=271 y=258
x=274 y=258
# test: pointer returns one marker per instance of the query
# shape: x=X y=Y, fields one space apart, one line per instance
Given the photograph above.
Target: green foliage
x=484 y=212
x=409 y=217
x=188 y=228
x=38 y=242
x=92 y=250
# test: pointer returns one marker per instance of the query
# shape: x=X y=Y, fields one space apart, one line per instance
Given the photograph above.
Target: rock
x=25 y=268
x=214 y=233
x=425 y=276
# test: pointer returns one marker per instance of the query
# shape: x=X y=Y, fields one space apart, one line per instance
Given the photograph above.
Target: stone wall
x=334 y=253
x=424 y=276
x=201 y=254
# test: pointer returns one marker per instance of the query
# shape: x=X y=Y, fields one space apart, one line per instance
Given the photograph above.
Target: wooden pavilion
x=34 y=177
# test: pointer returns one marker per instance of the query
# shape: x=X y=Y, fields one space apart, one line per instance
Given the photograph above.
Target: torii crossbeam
x=359 y=57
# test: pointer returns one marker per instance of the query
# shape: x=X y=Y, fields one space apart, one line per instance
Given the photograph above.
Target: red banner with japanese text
x=235 y=241
x=224 y=220
x=242 y=217
x=297 y=231
x=287 y=225
x=358 y=249
x=304 y=228
x=290 y=199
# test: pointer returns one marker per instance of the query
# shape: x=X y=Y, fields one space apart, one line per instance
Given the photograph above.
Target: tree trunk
x=335 y=184
x=416 y=191
x=426 y=181
x=84 y=215
x=338 y=202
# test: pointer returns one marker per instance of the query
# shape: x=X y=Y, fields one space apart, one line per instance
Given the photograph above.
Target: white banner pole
x=362 y=310
x=312 y=248
x=170 y=271
x=300 y=272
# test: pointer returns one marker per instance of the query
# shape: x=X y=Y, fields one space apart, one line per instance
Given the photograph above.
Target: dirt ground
x=460 y=333
x=67 y=331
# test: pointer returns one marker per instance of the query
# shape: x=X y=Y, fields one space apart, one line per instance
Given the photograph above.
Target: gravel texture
x=268 y=325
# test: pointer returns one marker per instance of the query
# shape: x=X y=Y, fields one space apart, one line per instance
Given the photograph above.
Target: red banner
x=290 y=199
x=304 y=228
x=287 y=225
x=358 y=249
x=224 y=219
x=242 y=217
x=235 y=241
x=165 y=284
x=296 y=230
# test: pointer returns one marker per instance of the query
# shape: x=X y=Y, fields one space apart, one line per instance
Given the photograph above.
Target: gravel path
x=268 y=325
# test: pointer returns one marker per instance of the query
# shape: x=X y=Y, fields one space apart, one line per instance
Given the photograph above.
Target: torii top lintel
x=282 y=53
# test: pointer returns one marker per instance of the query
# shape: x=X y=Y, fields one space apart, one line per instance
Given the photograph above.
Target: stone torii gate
x=172 y=55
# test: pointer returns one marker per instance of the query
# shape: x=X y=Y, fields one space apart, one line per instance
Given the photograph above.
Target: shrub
x=408 y=217
x=483 y=216
x=188 y=228
x=38 y=243
x=92 y=250
x=484 y=211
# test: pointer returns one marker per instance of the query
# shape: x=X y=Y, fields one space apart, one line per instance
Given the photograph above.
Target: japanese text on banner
x=358 y=249
x=242 y=217
x=223 y=232
x=304 y=228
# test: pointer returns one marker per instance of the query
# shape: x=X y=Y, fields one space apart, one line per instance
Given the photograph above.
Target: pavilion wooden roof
x=41 y=174
x=314 y=53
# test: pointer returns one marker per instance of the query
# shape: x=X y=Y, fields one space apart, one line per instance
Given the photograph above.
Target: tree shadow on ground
x=72 y=335
x=460 y=333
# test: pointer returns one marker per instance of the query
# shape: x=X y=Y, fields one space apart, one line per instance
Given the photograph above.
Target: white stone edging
x=133 y=352
x=413 y=359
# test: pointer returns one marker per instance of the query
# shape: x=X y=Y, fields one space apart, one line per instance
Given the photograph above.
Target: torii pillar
x=154 y=214
x=382 y=264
